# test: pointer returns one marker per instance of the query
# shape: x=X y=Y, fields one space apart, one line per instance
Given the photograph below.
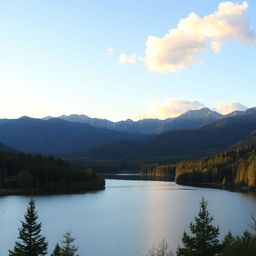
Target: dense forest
x=25 y=174
x=155 y=170
x=233 y=168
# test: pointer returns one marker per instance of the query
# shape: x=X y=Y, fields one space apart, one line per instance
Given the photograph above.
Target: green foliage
x=204 y=239
x=56 y=251
x=236 y=167
x=31 y=242
x=239 y=246
x=67 y=248
x=26 y=173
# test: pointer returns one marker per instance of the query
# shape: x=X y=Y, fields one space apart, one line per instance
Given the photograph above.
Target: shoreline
x=231 y=188
x=25 y=192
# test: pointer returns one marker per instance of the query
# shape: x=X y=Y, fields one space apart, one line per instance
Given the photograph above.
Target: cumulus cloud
x=181 y=46
x=128 y=58
x=169 y=108
x=228 y=107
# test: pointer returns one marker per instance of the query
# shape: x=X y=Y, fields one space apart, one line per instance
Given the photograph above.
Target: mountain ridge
x=189 y=119
x=181 y=144
x=55 y=136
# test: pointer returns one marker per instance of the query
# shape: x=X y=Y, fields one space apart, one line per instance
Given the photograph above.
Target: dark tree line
x=26 y=173
x=236 y=167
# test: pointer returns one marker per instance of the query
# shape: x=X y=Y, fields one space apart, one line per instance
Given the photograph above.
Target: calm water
x=126 y=218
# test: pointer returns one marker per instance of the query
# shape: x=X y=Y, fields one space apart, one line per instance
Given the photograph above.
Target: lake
x=127 y=217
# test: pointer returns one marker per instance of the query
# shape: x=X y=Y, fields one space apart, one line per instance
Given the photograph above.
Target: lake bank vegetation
x=36 y=174
x=234 y=169
x=155 y=170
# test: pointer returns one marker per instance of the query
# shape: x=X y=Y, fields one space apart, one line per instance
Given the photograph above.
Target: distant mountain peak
x=25 y=118
x=204 y=109
x=201 y=113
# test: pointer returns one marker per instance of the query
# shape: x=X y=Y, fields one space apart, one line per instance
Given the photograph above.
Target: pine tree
x=204 y=239
x=67 y=249
x=31 y=243
x=56 y=251
x=239 y=246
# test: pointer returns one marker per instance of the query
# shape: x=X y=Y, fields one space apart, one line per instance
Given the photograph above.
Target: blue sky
x=54 y=60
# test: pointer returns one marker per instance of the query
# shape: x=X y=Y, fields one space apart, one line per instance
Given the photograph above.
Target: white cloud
x=175 y=107
x=181 y=46
x=128 y=58
x=228 y=107
x=110 y=51
x=169 y=108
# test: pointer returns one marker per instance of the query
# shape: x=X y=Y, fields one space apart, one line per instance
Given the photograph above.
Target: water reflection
x=127 y=217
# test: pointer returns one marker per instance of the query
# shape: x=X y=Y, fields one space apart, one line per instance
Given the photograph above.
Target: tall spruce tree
x=31 y=242
x=204 y=239
x=67 y=248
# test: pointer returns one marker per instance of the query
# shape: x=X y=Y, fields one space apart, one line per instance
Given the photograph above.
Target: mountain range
x=190 y=119
x=183 y=144
x=55 y=136
x=193 y=134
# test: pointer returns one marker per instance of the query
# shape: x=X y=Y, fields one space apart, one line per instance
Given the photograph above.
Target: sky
x=126 y=59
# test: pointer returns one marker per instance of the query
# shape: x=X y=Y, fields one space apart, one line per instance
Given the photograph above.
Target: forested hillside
x=235 y=168
x=25 y=174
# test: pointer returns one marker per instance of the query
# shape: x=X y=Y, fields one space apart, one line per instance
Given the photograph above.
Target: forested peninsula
x=235 y=169
x=231 y=169
x=36 y=174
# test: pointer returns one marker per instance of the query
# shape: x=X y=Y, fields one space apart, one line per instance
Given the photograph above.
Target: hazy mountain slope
x=145 y=126
x=101 y=123
x=182 y=144
x=4 y=148
x=55 y=136
x=2 y=121
x=190 y=119
x=250 y=139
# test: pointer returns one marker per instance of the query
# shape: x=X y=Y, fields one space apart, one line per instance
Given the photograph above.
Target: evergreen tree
x=31 y=243
x=240 y=246
x=228 y=240
x=204 y=239
x=56 y=251
x=67 y=248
